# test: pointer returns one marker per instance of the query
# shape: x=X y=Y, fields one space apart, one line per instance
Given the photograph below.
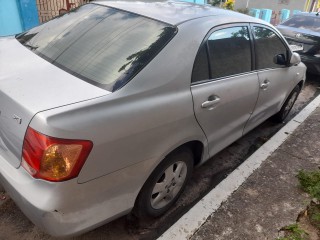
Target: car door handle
x=211 y=102
x=265 y=84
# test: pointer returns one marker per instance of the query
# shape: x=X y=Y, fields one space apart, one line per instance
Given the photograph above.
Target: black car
x=302 y=32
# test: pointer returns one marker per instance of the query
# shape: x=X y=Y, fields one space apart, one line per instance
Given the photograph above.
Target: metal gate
x=48 y=9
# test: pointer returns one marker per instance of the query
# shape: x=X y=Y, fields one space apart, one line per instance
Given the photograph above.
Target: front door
x=275 y=80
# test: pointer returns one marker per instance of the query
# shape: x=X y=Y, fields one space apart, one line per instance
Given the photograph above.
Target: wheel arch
x=196 y=146
x=301 y=84
x=197 y=149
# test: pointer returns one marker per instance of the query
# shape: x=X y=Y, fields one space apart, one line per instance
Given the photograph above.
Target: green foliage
x=316 y=217
x=294 y=232
x=243 y=10
x=314 y=214
x=229 y=4
x=310 y=182
x=215 y=2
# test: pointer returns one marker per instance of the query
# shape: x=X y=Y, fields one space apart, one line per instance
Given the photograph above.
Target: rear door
x=224 y=87
x=276 y=81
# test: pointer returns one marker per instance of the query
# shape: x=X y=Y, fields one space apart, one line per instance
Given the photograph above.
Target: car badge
x=17 y=118
x=298 y=35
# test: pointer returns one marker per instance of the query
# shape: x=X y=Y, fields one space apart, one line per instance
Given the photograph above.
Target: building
x=278 y=5
x=17 y=16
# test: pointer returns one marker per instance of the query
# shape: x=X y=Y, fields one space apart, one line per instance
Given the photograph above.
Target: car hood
x=304 y=35
x=28 y=85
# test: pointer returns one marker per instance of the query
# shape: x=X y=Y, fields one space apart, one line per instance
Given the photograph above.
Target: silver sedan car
x=107 y=109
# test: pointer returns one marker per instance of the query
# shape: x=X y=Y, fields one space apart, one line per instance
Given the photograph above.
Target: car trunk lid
x=28 y=85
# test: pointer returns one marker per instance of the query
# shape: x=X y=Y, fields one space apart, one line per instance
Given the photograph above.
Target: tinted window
x=101 y=45
x=268 y=45
x=229 y=52
x=201 y=66
x=304 y=22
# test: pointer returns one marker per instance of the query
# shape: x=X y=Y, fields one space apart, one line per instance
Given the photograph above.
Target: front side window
x=268 y=45
x=229 y=52
x=104 y=46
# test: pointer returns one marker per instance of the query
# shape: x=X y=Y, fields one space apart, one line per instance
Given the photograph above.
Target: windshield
x=101 y=45
x=304 y=22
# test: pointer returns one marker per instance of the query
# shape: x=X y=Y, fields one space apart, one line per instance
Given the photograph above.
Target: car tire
x=287 y=106
x=165 y=184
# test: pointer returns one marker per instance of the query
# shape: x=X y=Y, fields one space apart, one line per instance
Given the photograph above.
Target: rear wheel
x=287 y=106
x=165 y=185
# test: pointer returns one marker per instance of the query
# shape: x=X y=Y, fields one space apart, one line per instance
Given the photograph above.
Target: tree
x=229 y=4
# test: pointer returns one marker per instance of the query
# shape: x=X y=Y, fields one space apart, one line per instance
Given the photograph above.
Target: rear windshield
x=101 y=45
x=304 y=22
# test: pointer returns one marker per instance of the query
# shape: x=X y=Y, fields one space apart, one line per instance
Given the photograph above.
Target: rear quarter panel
x=144 y=121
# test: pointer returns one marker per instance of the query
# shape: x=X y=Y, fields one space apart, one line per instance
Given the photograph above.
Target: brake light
x=53 y=159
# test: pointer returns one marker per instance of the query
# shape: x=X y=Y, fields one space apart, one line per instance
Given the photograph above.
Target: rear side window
x=201 y=65
x=101 y=45
x=268 y=45
x=304 y=22
x=229 y=52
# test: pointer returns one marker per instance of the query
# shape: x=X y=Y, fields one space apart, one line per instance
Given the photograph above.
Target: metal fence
x=48 y=9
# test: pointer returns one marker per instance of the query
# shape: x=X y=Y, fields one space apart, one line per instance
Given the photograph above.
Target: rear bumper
x=69 y=208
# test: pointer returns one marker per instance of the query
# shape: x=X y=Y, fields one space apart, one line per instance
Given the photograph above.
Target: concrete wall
x=49 y=9
x=17 y=16
x=10 y=22
x=28 y=13
x=275 y=5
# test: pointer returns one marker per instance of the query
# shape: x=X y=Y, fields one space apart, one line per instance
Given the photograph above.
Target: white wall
x=275 y=5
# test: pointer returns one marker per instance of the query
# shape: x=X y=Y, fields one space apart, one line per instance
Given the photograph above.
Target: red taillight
x=53 y=159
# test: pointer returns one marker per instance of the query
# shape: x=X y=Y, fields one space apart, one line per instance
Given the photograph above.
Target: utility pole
x=248 y=1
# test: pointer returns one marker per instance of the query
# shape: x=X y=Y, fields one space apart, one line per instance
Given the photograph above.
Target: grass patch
x=314 y=214
x=310 y=182
x=293 y=232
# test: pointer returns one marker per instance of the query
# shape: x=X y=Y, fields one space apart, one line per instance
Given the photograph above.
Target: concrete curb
x=189 y=223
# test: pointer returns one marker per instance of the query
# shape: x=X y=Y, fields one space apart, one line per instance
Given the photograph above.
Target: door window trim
x=204 y=43
x=282 y=39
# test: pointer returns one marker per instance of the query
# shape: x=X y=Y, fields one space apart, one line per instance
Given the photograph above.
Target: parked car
x=302 y=32
x=107 y=109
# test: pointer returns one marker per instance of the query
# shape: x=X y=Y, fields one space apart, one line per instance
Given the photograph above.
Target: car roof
x=173 y=12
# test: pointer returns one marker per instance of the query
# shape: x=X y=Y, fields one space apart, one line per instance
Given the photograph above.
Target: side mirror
x=295 y=59
x=280 y=59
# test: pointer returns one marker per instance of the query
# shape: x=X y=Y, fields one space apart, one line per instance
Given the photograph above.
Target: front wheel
x=287 y=106
x=165 y=185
